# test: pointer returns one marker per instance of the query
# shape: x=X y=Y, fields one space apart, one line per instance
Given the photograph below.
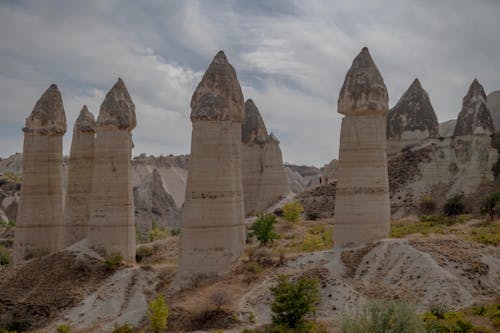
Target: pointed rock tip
x=117 y=109
x=47 y=116
x=85 y=121
x=220 y=56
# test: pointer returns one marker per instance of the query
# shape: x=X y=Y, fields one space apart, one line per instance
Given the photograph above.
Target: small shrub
x=383 y=317
x=439 y=309
x=158 y=314
x=125 y=328
x=488 y=235
x=63 y=328
x=142 y=252
x=5 y=256
x=292 y=211
x=157 y=233
x=219 y=298
x=427 y=205
x=113 y=262
x=293 y=301
x=451 y=322
x=489 y=204
x=454 y=205
x=264 y=257
x=175 y=231
x=263 y=228
x=252 y=267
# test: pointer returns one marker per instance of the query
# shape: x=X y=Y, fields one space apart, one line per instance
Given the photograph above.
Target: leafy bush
x=5 y=256
x=263 y=228
x=451 y=322
x=383 y=317
x=158 y=314
x=292 y=211
x=63 y=328
x=252 y=267
x=317 y=238
x=438 y=309
x=427 y=205
x=489 y=204
x=113 y=262
x=142 y=252
x=219 y=298
x=125 y=328
x=157 y=232
x=293 y=301
x=454 y=205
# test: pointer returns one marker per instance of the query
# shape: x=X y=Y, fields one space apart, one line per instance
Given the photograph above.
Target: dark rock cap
x=363 y=91
x=48 y=116
x=253 y=129
x=475 y=117
x=413 y=112
x=218 y=95
x=117 y=109
x=85 y=121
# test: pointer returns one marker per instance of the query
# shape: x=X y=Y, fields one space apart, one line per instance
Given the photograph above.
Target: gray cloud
x=291 y=58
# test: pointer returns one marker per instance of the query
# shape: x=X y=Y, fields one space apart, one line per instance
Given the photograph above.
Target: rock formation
x=213 y=231
x=446 y=128
x=362 y=207
x=79 y=183
x=264 y=177
x=111 y=224
x=412 y=119
x=475 y=117
x=494 y=106
x=40 y=215
x=154 y=205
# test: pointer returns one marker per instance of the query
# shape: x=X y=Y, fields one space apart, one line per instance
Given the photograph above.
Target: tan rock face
x=79 y=183
x=213 y=232
x=264 y=176
x=362 y=207
x=40 y=213
x=475 y=117
x=111 y=224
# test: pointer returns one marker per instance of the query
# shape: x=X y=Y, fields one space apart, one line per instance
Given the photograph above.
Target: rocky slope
x=494 y=106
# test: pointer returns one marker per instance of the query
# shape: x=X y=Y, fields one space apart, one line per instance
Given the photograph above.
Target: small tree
x=454 y=205
x=263 y=228
x=427 y=205
x=292 y=211
x=490 y=203
x=158 y=314
x=219 y=298
x=293 y=301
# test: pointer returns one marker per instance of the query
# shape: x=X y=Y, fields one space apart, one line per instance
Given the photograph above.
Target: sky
x=291 y=58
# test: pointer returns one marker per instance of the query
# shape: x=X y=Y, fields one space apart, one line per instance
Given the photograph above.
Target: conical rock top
x=364 y=90
x=48 y=116
x=413 y=112
x=117 y=109
x=253 y=129
x=85 y=121
x=475 y=117
x=218 y=95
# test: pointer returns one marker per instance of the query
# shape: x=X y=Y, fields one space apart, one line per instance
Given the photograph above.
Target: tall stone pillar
x=79 y=183
x=213 y=231
x=40 y=213
x=362 y=206
x=112 y=225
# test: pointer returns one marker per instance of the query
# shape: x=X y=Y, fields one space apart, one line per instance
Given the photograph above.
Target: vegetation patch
x=428 y=224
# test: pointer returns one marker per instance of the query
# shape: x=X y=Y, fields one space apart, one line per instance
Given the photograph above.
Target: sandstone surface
x=475 y=117
x=494 y=106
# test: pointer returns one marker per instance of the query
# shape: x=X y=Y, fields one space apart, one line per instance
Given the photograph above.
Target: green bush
x=158 y=314
x=383 y=317
x=157 y=232
x=489 y=204
x=113 y=262
x=453 y=321
x=263 y=228
x=142 y=252
x=427 y=205
x=63 y=328
x=292 y=211
x=454 y=205
x=489 y=235
x=175 y=231
x=125 y=328
x=293 y=300
x=5 y=256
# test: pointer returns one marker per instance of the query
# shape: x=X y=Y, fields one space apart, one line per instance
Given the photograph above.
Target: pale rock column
x=213 y=232
x=111 y=224
x=79 y=183
x=40 y=213
x=362 y=207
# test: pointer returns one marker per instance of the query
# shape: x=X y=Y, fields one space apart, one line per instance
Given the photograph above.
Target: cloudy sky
x=290 y=56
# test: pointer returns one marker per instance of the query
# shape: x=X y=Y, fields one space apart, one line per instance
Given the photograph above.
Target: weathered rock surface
x=153 y=204
x=362 y=207
x=264 y=177
x=111 y=225
x=446 y=128
x=411 y=120
x=40 y=214
x=494 y=106
x=475 y=117
x=79 y=181
x=213 y=232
